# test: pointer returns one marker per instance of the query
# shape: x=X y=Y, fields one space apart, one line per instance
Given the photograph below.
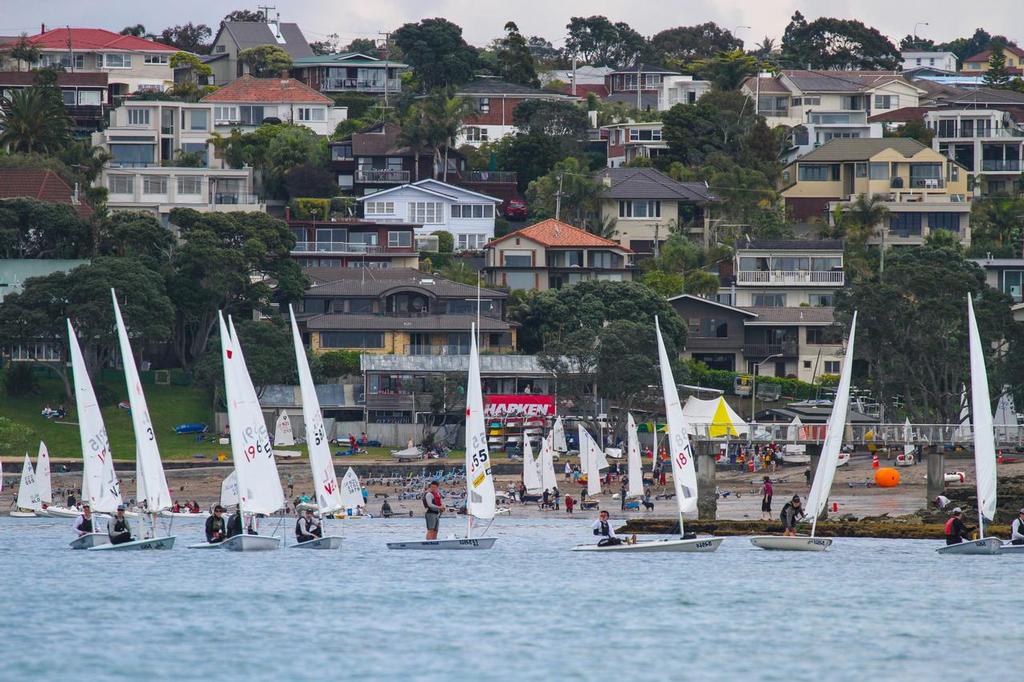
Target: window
x=1012 y=281
x=68 y=97
x=769 y=300
x=887 y=101
x=225 y=114
x=156 y=59
x=121 y=184
x=220 y=49
x=351 y=339
x=189 y=184
x=879 y=170
x=518 y=260
x=90 y=98
x=861 y=170
x=250 y=115
x=312 y=114
x=471 y=242
x=132 y=154
x=426 y=212
x=831 y=367
x=340 y=152
x=116 y=60
x=713 y=328
x=398 y=239
x=944 y=221
x=199 y=119
x=154 y=185
x=520 y=280
x=197 y=148
x=818 y=172
x=373 y=208
x=475 y=134
x=483 y=105
x=473 y=211
x=603 y=259
x=821 y=300
x=62 y=60
x=345 y=181
x=905 y=224
x=645 y=135
x=947 y=127
x=640 y=209
x=138 y=117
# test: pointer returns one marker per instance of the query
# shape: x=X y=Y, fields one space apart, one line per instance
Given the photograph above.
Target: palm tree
x=413 y=135
x=764 y=49
x=442 y=118
x=32 y=121
x=865 y=214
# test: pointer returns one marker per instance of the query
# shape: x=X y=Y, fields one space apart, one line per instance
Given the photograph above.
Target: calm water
x=867 y=609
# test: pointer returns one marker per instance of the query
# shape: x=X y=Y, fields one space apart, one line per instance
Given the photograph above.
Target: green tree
x=269 y=357
x=435 y=121
x=599 y=42
x=916 y=43
x=579 y=190
x=37 y=229
x=684 y=44
x=31 y=121
x=515 y=62
x=329 y=46
x=194 y=66
x=828 y=43
x=997 y=75
x=718 y=121
x=188 y=37
x=135 y=234
x=666 y=284
x=996 y=226
x=246 y=15
x=265 y=61
x=335 y=364
x=23 y=51
x=366 y=46
x=530 y=156
x=555 y=118
x=445 y=241
x=138 y=30
x=310 y=180
x=437 y=52
x=915 y=130
x=726 y=70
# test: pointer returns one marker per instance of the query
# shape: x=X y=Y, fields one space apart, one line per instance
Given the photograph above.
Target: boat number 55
x=479 y=457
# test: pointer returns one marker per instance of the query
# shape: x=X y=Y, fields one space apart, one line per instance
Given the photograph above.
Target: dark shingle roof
x=799 y=316
x=647 y=183
x=248 y=34
x=802 y=244
x=374 y=283
x=861 y=149
x=901 y=115
x=978 y=96
x=64 y=78
x=439 y=323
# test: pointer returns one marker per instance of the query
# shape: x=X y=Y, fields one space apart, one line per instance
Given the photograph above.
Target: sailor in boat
x=956 y=531
x=434 y=506
x=604 y=530
x=216 y=530
x=792 y=512
x=118 y=528
x=84 y=523
x=307 y=527
x=234 y=524
x=386 y=511
x=1017 y=529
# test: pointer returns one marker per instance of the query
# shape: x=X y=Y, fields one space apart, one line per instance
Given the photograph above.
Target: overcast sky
x=482 y=20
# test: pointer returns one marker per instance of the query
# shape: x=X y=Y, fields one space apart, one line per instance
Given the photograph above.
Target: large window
x=1012 y=282
x=156 y=59
x=341 y=152
x=878 y=170
x=399 y=238
x=645 y=135
x=132 y=154
x=640 y=209
x=121 y=184
x=604 y=259
x=250 y=115
x=67 y=97
x=769 y=300
x=520 y=280
x=471 y=242
x=312 y=114
x=138 y=117
x=944 y=221
x=154 y=185
x=90 y=98
x=472 y=211
x=351 y=339
x=190 y=184
x=426 y=212
x=887 y=101
x=518 y=260
x=378 y=208
x=821 y=300
x=818 y=172
x=64 y=60
x=713 y=328
x=475 y=134
x=483 y=105
x=225 y=114
x=831 y=367
x=117 y=60
x=947 y=127
x=905 y=224
x=200 y=119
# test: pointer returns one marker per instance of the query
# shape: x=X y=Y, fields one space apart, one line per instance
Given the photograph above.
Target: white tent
x=713 y=418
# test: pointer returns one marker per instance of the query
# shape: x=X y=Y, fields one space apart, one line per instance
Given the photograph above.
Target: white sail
x=558 y=437
x=229 y=490
x=328 y=495
x=634 y=467
x=28 y=493
x=547 y=464
x=589 y=463
x=43 y=483
x=351 y=492
x=981 y=421
x=829 y=460
x=283 y=428
x=531 y=471
x=480 y=500
x=583 y=441
x=104 y=491
x=259 y=486
x=684 y=473
x=793 y=430
x=152 y=483
x=908 y=439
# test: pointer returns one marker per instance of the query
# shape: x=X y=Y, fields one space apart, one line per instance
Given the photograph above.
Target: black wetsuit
x=215 y=530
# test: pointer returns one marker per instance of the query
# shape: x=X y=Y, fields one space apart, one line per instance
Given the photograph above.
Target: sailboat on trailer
x=328 y=493
x=684 y=473
x=983 y=432
x=827 y=463
x=480 y=498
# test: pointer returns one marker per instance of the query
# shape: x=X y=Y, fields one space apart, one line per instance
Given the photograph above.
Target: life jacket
x=605 y=531
x=121 y=526
x=437 y=500
x=949 y=525
x=85 y=526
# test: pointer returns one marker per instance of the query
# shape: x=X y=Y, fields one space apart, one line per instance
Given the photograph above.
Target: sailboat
x=100 y=486
x=634 y=467
x=984 y=446
x=827 y=463
x=531 y=470
x=259 y=486
x=906 y=458
x=228 y=500
x=558 y=437
x=352 y=496
x=590 y=460
x=45 y=487
x=328 y=495
x=547 y=463
x=684 y=474
x=480 y=498
x=28 y=494
x=149 y=472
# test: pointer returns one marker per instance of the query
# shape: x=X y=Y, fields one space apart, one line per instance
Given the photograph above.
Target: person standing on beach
x=766 y=499
x=569 y=504
x=568 y=471
x=434 y=506
x=622 y=494
x=555 y=495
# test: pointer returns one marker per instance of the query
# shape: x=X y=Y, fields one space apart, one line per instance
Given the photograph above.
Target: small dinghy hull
x=59 y=512
x=709 y=544
x=783 y=543
x=18 y=514
x=205 y=545
x=983 y=546
x=328 y=542
x=184 y=515
x=90 y=540
x=453 y=543
x=136 y=545
x=251 y=543
x=1007 y=548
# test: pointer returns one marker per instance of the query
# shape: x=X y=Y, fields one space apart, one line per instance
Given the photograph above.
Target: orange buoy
x=887 y=478
x=874 y=462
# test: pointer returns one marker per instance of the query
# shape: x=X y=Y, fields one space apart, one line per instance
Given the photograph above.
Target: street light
x=753 y=390
x=920 y=23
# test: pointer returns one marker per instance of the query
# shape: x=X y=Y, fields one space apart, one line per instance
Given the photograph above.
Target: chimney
x=42 y=28
x=606 y=179
x=74 y=197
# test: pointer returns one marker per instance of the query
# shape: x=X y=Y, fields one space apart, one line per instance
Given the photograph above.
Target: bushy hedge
x=700 y=374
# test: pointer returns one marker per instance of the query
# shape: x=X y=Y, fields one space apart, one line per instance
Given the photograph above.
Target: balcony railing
x=502 y=177
x=235 y=198
x=762 y=350
x=382 y=175
x=377 y=85
x=794 y=277
x=927 y=183
x=1000 y=165
x=342 y=247
x=439 y=350
x=978 y=133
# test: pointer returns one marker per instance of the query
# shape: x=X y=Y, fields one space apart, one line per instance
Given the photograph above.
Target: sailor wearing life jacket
x=434 y=506
x=1017 y=529
x=307 y=527
x=83 y=524
x=604 y=530
x=118 y=527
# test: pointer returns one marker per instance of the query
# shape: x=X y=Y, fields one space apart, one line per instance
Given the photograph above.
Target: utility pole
x=639 y=74
x=558 y=197
x=265 y=10
x=387 y=51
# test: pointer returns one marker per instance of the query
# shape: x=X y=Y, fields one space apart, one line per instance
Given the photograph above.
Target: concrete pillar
x=707 y=505
x=936 y=472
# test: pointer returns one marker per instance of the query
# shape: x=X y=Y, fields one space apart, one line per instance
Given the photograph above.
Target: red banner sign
x=519 y=405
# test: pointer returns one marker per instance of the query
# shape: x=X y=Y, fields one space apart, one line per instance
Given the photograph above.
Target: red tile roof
x=555 y=233
x=249 y=89
x=41 y=184
x=95 y=39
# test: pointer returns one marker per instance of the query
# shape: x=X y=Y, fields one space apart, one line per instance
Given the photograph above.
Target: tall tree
x=997 y=75
x=542 y=50
x=188 y=37
x=967 y=47
x=437 y=119
x=246 y=15
x=828 y=43
x=138 y=30
x=579 y=192
x=266 y=61
x=23 y=51
x=37 y=229
x=329 y=46
x=515 y=62
x=552 y=117
x=599 y=42
x=726 y=70
x=437 y=52
x=33 y=120
x=366 y=46
x=912 y=42
x=684 y=44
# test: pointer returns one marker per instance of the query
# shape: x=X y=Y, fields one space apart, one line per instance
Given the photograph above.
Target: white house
x=433 y=205
x=246 y=102
x=917 y=59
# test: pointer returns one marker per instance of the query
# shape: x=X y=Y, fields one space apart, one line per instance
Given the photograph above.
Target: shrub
x=19 y=380
x=308 y=208
x=445 y=241
x=339 y=363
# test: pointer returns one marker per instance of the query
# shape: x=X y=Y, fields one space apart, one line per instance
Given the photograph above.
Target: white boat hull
x=183 y=515
x=59 y=512
x=982 y=546
x=709 y=544
x=1007 y=548
x=251 y=543
x=205 y=545
x=18 y=514
x=453 y=543
x=137 y=545
x=783 y=543
x=328 y=542
x=90 y=540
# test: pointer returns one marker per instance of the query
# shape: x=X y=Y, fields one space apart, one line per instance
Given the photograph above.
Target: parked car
x=515 y=209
